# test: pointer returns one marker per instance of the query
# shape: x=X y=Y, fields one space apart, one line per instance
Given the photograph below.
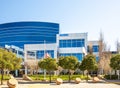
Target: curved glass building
x=20 y=33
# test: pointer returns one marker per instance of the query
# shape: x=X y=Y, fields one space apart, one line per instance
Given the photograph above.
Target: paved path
x=67 y=85
x=26 y=84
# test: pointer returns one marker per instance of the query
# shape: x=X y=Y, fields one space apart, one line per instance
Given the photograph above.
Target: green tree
x=48 y=64
x=89 y=63
x=8 y=61
x=68 y=62
x=115 y=62
x=82 y=68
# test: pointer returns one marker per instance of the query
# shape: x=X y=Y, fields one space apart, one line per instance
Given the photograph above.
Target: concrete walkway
x=27 y=84
x=67 y=85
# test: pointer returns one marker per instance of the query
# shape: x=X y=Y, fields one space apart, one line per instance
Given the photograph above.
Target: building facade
x=24 y=37
x=21 y=33
x=35 y=40
x=93 y=47
x=72 y=44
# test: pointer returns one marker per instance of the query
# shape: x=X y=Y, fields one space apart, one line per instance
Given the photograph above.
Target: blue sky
x=74 y=16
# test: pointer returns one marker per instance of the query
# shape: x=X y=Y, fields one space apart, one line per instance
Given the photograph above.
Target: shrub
x=112 y=77
x=63 y=77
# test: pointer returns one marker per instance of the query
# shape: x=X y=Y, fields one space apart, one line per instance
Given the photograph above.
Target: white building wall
x=70 y=50
x=37 y=47
x=72 y=36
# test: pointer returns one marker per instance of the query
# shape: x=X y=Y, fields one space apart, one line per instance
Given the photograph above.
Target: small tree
x=102 y=48
x=115 y=62
x=8 y=61
x=82 y=68
x=77 y=66
x=32 y=65
x=89 y=63
x=49 y=64
x=68 y=62
x=118 y=46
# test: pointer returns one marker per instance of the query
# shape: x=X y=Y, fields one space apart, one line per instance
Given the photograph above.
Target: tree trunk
x=69 y=75
x=50 y=76
x=87 y=75
x=118 y=74
x=115 y=72
x=83 y=73
x=2 y=73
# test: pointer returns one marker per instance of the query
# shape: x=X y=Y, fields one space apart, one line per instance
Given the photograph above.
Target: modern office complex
x=37 y=39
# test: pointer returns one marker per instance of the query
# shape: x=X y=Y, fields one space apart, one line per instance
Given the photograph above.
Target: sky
x=74 y=16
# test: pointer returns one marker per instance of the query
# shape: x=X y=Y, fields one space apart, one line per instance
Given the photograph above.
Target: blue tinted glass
x=40 y=54
x=20 y=33
x=71 y=43
x=79 y=56
x=68 y=43
x=95 y=48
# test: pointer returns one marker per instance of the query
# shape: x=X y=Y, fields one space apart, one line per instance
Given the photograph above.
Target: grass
x=5 y=77
x=53 y=77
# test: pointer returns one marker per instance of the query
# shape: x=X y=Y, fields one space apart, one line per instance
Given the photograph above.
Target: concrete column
x=25 y=57
x=25 y=70
x=16 y=73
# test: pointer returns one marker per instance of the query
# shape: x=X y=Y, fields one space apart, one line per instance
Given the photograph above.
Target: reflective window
x=79 y=56
x=95 y=48
x=20 y=33
x=40 y=54
x=71 y=43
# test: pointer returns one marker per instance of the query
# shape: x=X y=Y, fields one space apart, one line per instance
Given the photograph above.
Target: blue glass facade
x=40 y=54
x=20 y=33
x=71 y=43
x=79 y=56
x=95 y=48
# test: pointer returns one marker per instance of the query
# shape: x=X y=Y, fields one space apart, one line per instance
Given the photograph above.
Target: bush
x=113 y=77
x=63 y=77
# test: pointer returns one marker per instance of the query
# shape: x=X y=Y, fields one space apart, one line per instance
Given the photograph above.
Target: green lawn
x=5 y=77
x=63 y=77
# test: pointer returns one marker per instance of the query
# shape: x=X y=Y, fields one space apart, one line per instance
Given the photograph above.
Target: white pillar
x=16 y=72
x=25 y=70
x=25 y=57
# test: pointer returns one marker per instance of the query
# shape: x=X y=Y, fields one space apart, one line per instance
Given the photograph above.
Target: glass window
x=95 y=48
x=71 y=43
x=79 y=56
x=68 y=43
x=40 y=54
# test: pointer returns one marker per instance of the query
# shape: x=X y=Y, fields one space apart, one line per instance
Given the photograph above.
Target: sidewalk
x=113 y=81
x=67 y=85
x=83 y=84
